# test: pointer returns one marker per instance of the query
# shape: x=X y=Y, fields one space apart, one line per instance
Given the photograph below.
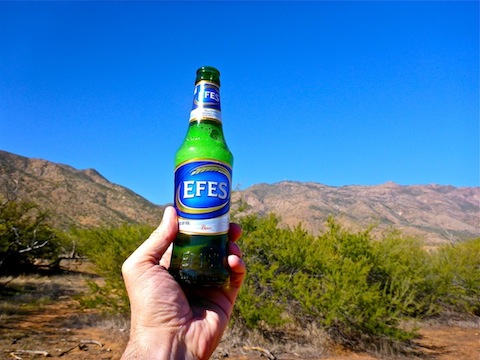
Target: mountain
x=71 y=196
x=437 y=214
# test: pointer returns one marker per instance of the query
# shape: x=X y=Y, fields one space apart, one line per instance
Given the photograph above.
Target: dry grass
x=28 y=293
x=25 y=294
x=43 y=312
x=302 y=343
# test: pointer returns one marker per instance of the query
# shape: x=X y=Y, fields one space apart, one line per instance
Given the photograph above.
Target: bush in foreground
x=108 y=248
x=356 y=289
x=456 y=274
x=25 y=237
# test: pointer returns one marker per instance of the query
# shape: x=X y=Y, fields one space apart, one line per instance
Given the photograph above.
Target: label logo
x=206 y=102
x=202 y=196
x=206 y=95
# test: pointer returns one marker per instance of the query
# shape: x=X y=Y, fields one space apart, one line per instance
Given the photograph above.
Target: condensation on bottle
x=203 y=183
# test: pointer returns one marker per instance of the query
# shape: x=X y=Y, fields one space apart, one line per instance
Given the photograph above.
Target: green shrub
x=25 y=237
x=357 y=289
x=456 y=276
x=403 y=270
x=259 y=304
x=344 y=282
x=342 y=291
x=108 y=248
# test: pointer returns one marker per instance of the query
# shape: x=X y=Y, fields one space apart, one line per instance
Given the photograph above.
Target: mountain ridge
x=72 y=196
x=435 y=213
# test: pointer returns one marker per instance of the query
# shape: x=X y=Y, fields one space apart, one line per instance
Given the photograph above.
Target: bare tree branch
x=33 y=247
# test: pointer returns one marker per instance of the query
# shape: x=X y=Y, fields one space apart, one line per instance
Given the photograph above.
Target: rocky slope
x=73 y=197
x=437 y=214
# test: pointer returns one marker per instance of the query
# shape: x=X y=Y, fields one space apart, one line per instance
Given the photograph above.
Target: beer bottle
x=203 y=180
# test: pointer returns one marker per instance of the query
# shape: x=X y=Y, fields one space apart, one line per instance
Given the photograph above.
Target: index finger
x=234 y=232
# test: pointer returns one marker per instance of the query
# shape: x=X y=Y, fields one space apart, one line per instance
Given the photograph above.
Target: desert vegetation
x=347 y=287
x=27 y=240
x=358 y=291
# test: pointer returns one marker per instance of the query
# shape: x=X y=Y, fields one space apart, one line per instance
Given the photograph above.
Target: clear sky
x=338 y=93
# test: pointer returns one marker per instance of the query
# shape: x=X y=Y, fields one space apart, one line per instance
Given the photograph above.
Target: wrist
x=162 y=346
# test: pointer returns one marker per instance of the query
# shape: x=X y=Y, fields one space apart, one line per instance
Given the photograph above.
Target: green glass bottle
x=203 y=182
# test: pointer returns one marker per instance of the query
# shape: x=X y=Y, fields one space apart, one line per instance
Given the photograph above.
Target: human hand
x=168 y=322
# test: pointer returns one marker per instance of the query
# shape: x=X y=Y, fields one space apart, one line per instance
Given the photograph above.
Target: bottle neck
x=205 y=130
x=206 y=102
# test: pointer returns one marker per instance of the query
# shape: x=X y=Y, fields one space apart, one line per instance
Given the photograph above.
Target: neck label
x=206 y=102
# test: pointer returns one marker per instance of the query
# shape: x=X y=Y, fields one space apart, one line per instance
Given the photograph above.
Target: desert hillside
x=437 y=214
x=73 y=197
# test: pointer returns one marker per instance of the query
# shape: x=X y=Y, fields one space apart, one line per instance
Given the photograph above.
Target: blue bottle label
x=206 y=102
x=202 y=196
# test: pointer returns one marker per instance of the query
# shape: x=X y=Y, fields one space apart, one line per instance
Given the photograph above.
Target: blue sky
x=338 y=93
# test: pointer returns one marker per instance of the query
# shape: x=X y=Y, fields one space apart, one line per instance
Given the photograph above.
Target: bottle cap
x=208 y=73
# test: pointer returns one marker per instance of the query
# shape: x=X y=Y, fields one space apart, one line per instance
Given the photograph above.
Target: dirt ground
x=46 y=320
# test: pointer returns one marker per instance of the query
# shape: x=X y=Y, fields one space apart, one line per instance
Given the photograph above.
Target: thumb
x=152 y=250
